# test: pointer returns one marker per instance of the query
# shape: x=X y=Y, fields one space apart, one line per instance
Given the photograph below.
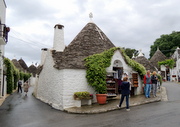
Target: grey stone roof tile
x=90 y=40
x=157 y=57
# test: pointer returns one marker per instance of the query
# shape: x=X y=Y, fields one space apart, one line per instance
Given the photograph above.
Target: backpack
x=19 y=83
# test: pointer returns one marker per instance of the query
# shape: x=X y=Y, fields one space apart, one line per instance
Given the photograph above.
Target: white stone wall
x=178 y=64
x=2 y=19
x=118 y=56
x=43 y=56
x=57 y=87
x=139 y=90
x=32 y=81
x=74 y=81
x=2 y=12
x=50 y=84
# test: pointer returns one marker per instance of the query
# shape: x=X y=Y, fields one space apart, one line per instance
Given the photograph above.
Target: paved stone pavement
x=112 y=103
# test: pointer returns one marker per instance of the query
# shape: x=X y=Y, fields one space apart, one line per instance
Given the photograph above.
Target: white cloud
x=131 y=24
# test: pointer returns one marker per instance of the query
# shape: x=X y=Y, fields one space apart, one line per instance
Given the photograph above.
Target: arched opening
x=117 y=63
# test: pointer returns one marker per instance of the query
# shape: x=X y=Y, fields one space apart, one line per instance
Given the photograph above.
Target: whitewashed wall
x=32 y=81
x=118 y=56
x=50 y=84
x=178 y=68
x=2 y=12
x=57 y=87
x=3 y=20
x=74 y=81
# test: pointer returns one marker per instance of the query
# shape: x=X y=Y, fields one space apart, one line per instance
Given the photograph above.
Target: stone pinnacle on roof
x=91 y=16
x=140 y=53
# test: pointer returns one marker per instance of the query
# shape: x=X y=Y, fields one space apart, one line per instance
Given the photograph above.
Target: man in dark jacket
x=19 y=86
x=125 y=91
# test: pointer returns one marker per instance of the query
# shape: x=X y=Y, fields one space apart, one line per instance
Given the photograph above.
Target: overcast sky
x=127 y=23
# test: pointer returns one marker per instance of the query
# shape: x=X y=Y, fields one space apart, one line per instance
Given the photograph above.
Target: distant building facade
x=3 y=40
x=176 y=70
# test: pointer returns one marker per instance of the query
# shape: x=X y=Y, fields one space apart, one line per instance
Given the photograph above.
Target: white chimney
x=43 y=55
x=58 y=44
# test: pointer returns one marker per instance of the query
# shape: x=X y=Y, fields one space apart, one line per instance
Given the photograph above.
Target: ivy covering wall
x=96 y=68
x=135 y=65
x=13 y=75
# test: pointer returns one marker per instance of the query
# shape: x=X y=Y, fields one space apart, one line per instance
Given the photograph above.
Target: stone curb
x=110 y=108
x=162 y=97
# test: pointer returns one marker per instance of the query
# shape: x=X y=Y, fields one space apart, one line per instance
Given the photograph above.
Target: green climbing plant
x=135 y=65
x=13 y=75
x=9 y=74
x=96 y=68
x=16 y=77
x=169 y=62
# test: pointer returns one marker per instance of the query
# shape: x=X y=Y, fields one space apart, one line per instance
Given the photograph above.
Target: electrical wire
x=18 y=36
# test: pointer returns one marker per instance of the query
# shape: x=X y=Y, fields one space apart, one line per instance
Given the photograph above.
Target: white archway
x=117 y=63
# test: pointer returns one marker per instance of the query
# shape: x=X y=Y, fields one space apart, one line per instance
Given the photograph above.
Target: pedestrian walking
x=168 y=76
x=26 y=87
x=147 y=83
x=19 y=86
x=154 y=80
x=125 y=92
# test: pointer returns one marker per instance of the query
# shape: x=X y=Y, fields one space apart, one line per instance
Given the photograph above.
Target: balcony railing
x=4 y=32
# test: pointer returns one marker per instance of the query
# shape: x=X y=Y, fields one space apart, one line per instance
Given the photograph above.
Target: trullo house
x=62 y=71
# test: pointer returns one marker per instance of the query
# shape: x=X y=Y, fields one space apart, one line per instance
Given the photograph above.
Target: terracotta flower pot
x=101 y=98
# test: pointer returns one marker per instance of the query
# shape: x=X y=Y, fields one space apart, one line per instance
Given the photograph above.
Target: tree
x=129 y=52
x=166 y=43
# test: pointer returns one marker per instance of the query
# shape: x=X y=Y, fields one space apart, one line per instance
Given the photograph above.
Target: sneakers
x=128 y=109
x=118 y=107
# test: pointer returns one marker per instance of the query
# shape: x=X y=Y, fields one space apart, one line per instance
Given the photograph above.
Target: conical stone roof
x=17 y=65
x=90 y=40
x=145 y=62
x=33 y=70
x=23 y=64
x=157 y=57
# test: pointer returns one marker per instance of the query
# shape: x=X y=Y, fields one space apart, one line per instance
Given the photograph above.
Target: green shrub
x=9 y=74
x=82 y=95
x=13 y=75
